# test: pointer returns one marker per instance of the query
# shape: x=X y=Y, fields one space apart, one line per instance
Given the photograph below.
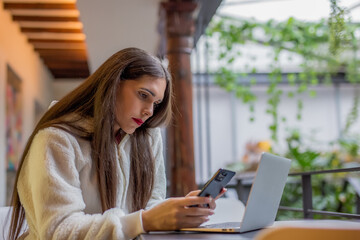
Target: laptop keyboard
x=223 y=225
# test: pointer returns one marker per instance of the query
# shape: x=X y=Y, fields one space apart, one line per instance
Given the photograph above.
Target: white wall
x=107 y=32
x=64 y=86
x=16 y=52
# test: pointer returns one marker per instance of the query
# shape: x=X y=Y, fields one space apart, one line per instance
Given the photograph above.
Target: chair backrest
x=308 y=233
x=5 y=216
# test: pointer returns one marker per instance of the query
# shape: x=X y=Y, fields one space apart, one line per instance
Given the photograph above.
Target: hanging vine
x=302 y=38
x=337 y=28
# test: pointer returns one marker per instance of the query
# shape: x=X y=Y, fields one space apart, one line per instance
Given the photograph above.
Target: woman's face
x=136 y=100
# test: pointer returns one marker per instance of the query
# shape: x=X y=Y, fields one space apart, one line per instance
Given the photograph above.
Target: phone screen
x=218 y=181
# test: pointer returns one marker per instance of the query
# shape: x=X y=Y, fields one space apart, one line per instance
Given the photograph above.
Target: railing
x=307 y=209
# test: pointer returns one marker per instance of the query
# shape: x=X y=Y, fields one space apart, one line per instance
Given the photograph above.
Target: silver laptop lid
x=266 y=191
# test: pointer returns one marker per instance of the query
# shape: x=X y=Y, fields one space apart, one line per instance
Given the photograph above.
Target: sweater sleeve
x=159 y=191
x=49 y=189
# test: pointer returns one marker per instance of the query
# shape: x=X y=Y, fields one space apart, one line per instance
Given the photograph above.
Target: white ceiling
x=307 y=10
x=112 y=25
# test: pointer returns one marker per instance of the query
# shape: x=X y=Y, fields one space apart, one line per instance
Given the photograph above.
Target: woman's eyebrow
x=148 y=90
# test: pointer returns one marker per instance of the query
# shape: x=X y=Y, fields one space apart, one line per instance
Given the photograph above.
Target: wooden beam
x=54 y=29
x=10 y=5
x=49 y=30
x=69 y=58
x=33 y=40
x=64 y=25
x=54 y=59
x=46 y=13
x=69 y=73
x=75 y=53
x=51 y=27
x=63 y=55
x=44 y=19
x=58 y=65
x=55 y=36
x=40 y=1
x=63 y=59
x=57 y=45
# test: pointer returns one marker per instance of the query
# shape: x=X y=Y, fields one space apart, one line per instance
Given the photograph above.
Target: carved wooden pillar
x=180 y=144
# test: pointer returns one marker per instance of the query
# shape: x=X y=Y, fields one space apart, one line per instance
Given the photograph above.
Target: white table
x=250 y=235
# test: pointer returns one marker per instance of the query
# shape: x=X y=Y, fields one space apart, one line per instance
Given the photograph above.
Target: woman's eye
x=143 y=95
x=156 y=104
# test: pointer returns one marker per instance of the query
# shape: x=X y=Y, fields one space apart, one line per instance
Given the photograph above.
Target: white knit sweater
x=58 y=189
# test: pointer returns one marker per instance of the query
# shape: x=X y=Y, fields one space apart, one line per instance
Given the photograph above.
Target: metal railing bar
x=307 y=195
x=336 y=214
x=290 y=209
x=349 y=215
x=307 y=192
x=354 y=169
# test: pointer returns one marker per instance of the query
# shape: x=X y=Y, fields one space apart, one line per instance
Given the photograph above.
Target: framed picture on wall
x=14 y=126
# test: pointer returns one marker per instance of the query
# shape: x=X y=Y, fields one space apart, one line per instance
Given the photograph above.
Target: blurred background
x=279 y=76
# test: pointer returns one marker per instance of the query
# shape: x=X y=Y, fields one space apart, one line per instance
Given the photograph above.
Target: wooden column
x=180 y=29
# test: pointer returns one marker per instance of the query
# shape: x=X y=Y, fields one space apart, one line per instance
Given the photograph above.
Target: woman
x=93 y=167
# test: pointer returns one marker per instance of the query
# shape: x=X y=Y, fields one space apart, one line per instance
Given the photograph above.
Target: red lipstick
x=138 y=121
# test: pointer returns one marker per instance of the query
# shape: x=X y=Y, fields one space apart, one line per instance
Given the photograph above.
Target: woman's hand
x=212 y=204
x=175 y=213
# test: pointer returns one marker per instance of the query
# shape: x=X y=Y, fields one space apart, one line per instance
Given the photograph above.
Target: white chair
x=5 y=216
x=227 y=210
x=5 y=219
x=308 y=233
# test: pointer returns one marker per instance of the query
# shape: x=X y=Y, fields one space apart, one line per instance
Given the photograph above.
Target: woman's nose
x=148 y=110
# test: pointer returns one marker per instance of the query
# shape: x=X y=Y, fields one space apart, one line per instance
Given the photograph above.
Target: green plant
x=337 y=28
x=330 y=192
x=304 y=158
x=304 y=39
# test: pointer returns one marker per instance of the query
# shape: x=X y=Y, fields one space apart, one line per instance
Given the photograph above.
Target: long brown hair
x=95 y=99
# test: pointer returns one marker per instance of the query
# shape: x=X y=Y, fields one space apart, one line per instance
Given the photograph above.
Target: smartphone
x=218 y=181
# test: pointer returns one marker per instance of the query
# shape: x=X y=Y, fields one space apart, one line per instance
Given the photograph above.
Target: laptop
x=264 y=198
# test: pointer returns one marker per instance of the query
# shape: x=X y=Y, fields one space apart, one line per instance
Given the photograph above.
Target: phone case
x=218 y=181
